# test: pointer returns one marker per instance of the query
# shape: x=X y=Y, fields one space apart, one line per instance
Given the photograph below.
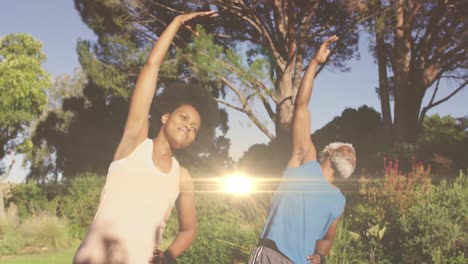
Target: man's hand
x=189 y=20
x=322 y=54
x=314 y=259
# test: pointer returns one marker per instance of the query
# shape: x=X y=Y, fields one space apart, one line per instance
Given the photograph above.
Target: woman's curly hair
x=180 y=93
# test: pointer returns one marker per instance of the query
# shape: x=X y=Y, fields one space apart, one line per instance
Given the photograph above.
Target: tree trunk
x=401 y=67
x=2 y=206
x=284 y=110
x=285 y=20
x=407 y=128
x=383 y=78
x=3 y=177
x=409 y=80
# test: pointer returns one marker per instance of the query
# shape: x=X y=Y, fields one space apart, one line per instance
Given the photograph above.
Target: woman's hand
x=189 y=20
x=158 y=258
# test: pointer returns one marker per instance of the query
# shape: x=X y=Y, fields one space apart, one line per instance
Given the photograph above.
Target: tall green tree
x=23 y=85
x=419 y=45
x=276 y=39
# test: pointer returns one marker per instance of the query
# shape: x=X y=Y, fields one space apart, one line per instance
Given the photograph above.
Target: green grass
x=60 y=257
x=64 y=256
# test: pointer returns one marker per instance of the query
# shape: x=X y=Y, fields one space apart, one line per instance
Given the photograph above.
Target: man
x=306 y=207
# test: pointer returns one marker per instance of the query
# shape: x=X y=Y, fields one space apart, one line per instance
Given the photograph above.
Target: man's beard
x=342 y=164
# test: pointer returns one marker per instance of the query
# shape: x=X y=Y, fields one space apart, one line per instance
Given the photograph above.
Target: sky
x=58 y=26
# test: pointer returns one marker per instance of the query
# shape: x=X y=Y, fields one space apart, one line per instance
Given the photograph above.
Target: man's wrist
x=322 y=257
x=315 y=60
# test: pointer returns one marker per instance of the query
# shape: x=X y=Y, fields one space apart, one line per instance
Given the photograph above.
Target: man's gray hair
x=332 y=146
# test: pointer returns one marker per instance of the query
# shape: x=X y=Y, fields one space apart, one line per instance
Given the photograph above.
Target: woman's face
x=181 y=126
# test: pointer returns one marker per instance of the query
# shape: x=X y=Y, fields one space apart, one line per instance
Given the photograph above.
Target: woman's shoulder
x=184 y=174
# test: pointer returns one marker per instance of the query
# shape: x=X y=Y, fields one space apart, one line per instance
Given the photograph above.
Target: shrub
x=29 y=199
x=443 y=141
x=347 y=246
x=223 y=234
x=39 y=231
x=376 y=218
x=80 y=203
x=45 y=231
x=11 y=241
x=435 y=226
x=403 y=218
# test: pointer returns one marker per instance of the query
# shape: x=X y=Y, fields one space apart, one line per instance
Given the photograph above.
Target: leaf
x=382 y=232
x=354 y=236
x=373 y=231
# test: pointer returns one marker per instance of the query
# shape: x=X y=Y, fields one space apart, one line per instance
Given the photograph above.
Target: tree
x=418 y=44
x=363 y=127
x=53 y=124
x=265 y=160
x=81 y=137
x=443 y=142
x=42 y=158
x=66 y=86
x=23 y=83
x=278 y=37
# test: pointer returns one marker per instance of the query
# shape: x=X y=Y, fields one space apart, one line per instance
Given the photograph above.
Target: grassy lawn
x=61 y=257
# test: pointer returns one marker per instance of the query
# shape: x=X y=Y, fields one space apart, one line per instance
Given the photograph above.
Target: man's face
x=181 y=126
x=343 y=160
x=349 y=153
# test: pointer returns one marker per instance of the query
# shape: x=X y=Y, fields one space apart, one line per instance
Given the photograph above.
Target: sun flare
x=237 y=184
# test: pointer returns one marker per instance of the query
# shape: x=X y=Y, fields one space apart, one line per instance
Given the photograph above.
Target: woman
x=306 y=207
x=144 y=180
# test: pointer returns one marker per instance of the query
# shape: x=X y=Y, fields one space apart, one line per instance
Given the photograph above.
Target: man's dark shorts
x=265 y=255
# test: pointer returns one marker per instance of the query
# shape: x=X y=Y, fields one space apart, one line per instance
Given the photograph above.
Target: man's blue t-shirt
x=301 y=211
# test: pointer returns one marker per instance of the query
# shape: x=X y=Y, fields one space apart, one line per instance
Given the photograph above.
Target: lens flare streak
x=239 y=184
